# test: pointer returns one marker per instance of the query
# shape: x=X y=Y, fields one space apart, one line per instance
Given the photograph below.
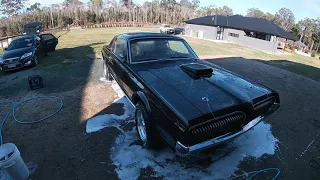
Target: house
x=257 y=33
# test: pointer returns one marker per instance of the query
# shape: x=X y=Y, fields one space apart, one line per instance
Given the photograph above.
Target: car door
x=129 y=81
x=38 y=46
x=116 y=58
x=49 y=42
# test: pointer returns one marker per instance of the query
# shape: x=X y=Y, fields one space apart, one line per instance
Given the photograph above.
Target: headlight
x=26 y=55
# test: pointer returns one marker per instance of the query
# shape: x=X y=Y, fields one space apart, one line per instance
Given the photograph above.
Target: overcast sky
x=300 y=8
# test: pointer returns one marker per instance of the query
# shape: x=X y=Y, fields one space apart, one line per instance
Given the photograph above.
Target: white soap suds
x=130 y=158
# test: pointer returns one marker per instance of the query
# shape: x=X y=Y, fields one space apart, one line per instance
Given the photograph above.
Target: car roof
x=138 y=35
x=26 y=36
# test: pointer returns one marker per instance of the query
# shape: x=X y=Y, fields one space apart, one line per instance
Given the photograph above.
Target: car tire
x=106 y=72
x=146 y=129
x=35 y=61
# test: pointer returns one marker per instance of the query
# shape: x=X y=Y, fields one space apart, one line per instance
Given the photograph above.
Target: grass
x=80 y=45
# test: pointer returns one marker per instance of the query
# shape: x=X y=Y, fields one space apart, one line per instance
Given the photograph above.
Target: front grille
x=11 y=61
x=217 y=127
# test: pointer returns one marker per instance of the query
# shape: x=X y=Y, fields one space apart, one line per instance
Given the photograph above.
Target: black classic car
x=26 y=51
x=187 y=102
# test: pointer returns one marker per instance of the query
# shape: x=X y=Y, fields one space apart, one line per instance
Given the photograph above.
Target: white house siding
x=209 y=32
x=263 y=45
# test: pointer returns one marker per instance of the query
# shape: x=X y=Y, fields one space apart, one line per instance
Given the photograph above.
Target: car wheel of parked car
x=106 y=72
x=146 y=129
x=35 y=61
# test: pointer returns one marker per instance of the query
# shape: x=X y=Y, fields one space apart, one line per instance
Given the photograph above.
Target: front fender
x=139 y=95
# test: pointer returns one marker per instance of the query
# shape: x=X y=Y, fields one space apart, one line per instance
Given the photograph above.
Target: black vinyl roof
x=243 y=23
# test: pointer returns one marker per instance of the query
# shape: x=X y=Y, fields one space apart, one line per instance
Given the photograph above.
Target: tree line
x=76 y=13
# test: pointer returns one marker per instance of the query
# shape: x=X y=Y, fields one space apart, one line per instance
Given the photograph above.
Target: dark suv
x=26 y=51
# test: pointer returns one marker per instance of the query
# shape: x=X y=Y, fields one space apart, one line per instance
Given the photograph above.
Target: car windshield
x=159 y=49
x=167 y=26
x=20 y=43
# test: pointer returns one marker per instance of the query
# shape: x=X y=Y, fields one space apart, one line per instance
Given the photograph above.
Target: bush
x=306 y=51
x=313 y=54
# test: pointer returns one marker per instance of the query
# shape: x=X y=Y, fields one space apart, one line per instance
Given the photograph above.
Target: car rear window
x=46 y=37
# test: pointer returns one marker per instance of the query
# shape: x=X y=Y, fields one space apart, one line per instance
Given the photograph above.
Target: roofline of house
x=202 y=24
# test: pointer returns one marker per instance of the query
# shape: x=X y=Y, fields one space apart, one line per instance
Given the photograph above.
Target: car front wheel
x=106 y=72
x=35 y=61
x=147 y=132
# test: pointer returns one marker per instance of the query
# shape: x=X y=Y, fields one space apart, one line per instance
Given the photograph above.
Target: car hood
x=191 y=98
x=16 y=53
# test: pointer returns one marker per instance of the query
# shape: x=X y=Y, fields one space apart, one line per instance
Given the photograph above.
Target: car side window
x=46 y=37
x=119 y=49
x=111 y=45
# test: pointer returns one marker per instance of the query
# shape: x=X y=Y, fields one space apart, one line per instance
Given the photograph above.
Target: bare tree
x=255 y=12
x=285 y=18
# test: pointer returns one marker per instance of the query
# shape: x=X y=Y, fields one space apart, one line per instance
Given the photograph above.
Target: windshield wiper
x=147 y=59
x=184 y=57
x=179 y=57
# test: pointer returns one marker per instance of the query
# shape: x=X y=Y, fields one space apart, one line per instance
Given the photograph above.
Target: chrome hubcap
x=141 y=126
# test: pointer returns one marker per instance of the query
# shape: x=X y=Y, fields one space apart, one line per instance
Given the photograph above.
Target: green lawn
x=82 y=44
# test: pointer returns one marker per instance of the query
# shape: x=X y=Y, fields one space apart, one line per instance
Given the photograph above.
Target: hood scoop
x=197 y=71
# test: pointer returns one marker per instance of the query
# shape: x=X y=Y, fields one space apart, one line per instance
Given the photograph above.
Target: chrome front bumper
x=183 y=150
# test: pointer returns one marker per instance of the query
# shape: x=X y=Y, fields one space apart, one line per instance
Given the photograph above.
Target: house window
x=258 y=35
x=234 y=35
